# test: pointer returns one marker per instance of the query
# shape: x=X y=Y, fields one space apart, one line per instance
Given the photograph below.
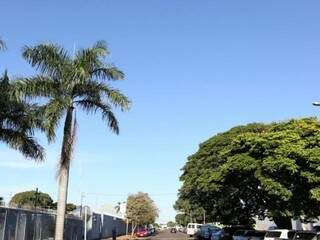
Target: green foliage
x=66 y=84
x=18 y=121
x=188 y=212
x=182 y=219
x=257 y=170
x=171 y=224
x=141 y=209
x=31 y=199
x=69 y=207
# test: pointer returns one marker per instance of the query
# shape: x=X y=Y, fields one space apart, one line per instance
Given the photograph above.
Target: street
x=165 y=234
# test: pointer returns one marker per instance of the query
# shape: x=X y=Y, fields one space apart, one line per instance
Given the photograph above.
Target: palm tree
x=71 y=83
x=18 y=120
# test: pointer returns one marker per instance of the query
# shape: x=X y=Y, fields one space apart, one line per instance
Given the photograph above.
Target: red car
x=142 y=233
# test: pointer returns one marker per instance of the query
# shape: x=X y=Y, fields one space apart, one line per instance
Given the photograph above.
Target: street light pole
x=316 y=104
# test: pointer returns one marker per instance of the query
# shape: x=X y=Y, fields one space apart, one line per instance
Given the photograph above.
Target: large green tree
x=18 y=121
x=189 y=212
x=257 y=170
x=141 y=210
x=31 y=199
x=69 y=84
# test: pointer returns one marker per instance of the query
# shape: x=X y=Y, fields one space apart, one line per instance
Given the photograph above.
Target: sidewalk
x=124 y=237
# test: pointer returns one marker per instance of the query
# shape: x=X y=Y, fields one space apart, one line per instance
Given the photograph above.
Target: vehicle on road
x=193 y=228
x=173 y=230
x=206 y=230
x=143 y=232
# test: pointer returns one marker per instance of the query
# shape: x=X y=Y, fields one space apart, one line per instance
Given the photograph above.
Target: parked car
x=316 y=228
x=279 y=233
x=305 y=235
x=193 y=228
x=143 y=232
x=248 y=235
x=256 y=235
x=206 y=230
x=226 y=233
x=152 y=230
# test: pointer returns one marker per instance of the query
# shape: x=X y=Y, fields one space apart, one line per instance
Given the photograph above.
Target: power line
x=123 y=194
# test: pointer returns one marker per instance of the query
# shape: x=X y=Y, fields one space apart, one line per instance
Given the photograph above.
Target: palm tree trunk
x=66 y=151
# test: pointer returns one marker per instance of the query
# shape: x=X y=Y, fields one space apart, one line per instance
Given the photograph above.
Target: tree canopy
x=188 y=212
x=257 y=170
x=141 y=209
x=171 y=224
x=32 y=199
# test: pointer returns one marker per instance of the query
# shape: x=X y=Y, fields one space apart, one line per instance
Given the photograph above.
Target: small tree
x=141 y=210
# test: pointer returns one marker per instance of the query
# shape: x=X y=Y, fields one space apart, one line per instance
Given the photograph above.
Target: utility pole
x=35 y=201
x=81 y=207
x=204 y=216
x=85 y=222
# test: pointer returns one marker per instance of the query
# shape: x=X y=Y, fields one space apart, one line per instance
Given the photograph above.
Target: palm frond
x=91 y=58
x=93 y=89
x=48 y=58
x=53 y=112
x=39 y=86
x=23 y=142
x=94 y=105
x=110 y=73
x=18 y=120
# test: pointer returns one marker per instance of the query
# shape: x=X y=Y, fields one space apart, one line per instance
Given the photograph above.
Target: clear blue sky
x=193 y=69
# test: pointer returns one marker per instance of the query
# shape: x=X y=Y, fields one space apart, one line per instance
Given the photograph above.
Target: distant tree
x=171 y=224
x=69 y=207
x=141 y=210
x=31 y=199
x=1 y=201
x=257 y=170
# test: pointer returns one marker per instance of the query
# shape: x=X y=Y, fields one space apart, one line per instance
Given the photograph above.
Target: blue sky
x=193 y=69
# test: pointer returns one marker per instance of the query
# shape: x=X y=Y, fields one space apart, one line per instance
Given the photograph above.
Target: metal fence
x=101 y=226
x=20 y=224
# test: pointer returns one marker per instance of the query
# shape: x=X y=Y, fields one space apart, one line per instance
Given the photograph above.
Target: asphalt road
x=166 y=235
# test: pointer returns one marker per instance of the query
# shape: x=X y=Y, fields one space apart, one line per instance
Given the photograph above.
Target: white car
x=193 y=228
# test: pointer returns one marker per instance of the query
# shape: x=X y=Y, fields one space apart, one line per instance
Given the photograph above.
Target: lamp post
x=316 y=104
